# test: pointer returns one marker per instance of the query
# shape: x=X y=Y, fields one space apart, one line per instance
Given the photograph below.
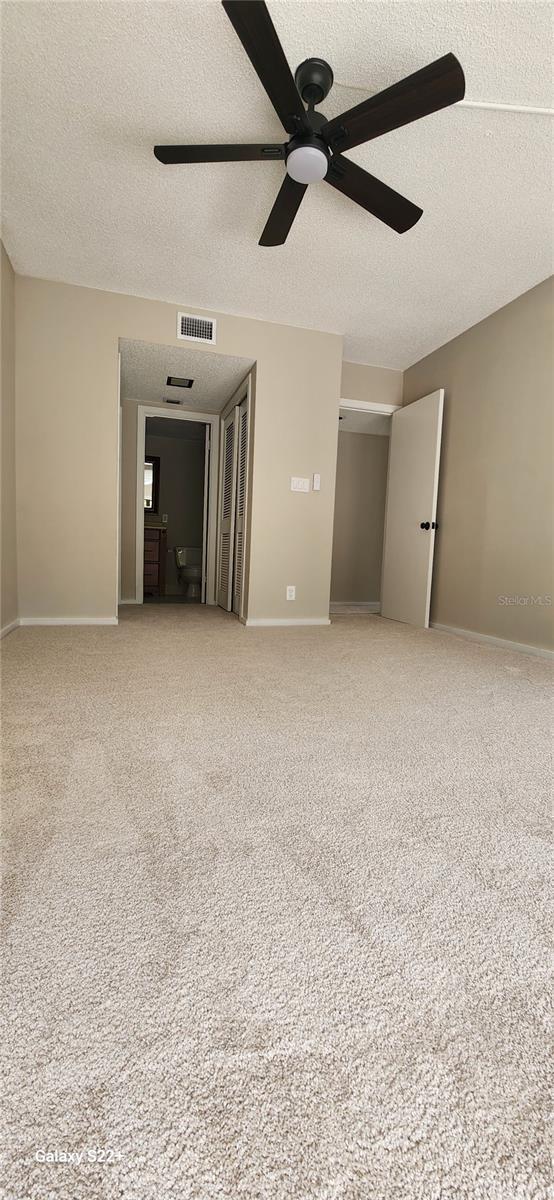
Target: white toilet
x=188 y=560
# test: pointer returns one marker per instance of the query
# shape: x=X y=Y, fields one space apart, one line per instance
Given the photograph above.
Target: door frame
x=212 y=420
x=119 y=479
x=373 y=406
x=245 y=391
x=246 y=405
x=231 y=418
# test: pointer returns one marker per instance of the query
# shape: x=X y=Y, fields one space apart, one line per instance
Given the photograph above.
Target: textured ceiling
x=145 y=368
x=90 y=87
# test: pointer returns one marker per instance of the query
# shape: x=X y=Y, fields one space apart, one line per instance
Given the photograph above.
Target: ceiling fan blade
x=433 y=87
x=204 y=154
x=386 y=204
x=283 y=213
x=253 y=24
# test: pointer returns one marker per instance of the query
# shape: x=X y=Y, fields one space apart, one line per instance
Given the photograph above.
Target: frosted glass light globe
x=307 y=164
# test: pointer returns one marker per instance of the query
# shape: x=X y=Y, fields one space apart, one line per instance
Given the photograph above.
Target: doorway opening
x=386 y=508
x=360 y=499
x=174 y=404
x=175 y=493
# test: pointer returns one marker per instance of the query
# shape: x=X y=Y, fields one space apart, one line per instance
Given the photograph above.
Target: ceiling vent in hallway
x=195 y=329
x=177 y=381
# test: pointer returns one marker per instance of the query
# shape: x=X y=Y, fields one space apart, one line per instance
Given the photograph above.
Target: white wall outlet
x=291 y=591
x=298 y=484
x=164 y=519
x=316 y=483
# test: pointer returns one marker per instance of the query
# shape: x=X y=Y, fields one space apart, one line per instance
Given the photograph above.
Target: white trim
x=489 y=640
x=370 y=406
x=205 y=498
x=212 y=419
x=245 y=405
x=265 y=622
x=9 y=628
x=119 y=480
x=498 y=107
x=242 y=393
x=68 y=621
x=224 y=596
x=340 y=606
x=131 y=600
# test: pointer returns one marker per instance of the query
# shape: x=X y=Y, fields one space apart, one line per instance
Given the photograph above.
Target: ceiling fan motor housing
x=314 y=80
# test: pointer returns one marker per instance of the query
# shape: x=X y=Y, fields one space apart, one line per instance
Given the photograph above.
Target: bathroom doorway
x=176 y=480
x=176 y=476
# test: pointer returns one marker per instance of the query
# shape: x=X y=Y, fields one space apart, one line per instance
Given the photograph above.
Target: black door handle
x=434 y=525
x=425 y=525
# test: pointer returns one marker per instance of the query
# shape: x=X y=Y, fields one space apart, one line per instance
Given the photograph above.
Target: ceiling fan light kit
x=307 y=163
x=315 y=148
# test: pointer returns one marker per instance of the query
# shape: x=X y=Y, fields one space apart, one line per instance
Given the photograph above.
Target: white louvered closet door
x=227 y=512
x=240 y=515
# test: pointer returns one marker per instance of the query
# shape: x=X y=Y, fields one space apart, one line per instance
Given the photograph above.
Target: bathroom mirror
x=151 y=483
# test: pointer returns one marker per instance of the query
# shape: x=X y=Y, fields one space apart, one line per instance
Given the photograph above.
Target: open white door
x=119 y=477
x=227 y=512
x=240 y=514
x=411 y=511
x=207 y=448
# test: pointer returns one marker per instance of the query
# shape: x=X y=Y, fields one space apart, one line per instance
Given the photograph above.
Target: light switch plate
x=299 y=484
x=316 y=483
x=164 y=519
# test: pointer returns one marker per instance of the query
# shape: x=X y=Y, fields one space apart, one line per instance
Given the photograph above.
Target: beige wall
x=362 y=382
x=495 y=497
x=67 y=437
x=8 y=592
x=181 y=495
x=359 y=517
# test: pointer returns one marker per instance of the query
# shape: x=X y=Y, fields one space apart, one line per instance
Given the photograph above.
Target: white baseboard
x=68 y=621
x=344 y=606
x=131 y=600
x=489 y=640
x=9 y=628
x=265 y=622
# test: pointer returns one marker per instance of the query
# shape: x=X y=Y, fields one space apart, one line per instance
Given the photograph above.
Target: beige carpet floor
x=276 y=913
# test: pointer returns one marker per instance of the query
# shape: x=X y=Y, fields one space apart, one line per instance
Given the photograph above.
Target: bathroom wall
x=181 y=494
x=360 y=493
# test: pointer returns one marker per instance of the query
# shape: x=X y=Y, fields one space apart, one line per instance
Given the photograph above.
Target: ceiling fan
x=315 y=147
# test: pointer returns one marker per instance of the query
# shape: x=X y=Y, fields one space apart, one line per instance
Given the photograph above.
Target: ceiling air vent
x=195 y=329
x=177 y=381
